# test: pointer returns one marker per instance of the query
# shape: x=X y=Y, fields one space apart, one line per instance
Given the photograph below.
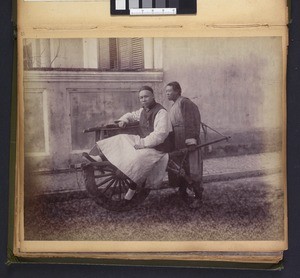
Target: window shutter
x=137 y=54
x=113 y=54
x=125 y=54
x=116 y=54
x=131 y=54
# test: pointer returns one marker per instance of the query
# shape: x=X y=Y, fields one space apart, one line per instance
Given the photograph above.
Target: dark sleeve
x=191 y=118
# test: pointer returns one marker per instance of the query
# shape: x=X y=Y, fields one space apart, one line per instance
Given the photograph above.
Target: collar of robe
x=150 y=106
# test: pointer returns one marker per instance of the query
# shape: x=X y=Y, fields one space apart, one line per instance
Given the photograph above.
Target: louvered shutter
x=137 y=54
x=113 y=52
x=131 y=54
x=125 y=54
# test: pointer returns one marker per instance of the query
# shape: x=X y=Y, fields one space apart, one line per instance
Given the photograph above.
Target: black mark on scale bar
x=153 y=7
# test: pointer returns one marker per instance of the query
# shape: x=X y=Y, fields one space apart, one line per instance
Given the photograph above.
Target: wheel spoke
x=108 y=186
x=120 y=190
x=123 y=186
x=103 y=175
x=128 y=182
x=105 y=181
x=108 y=169
x=114 y=187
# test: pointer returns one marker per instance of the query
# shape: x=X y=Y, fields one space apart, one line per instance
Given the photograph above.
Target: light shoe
x=129 y=195
x=96 y=157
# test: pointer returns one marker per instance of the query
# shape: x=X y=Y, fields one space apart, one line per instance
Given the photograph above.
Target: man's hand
x=138 y=147
x=122 y=124
x=192 y=147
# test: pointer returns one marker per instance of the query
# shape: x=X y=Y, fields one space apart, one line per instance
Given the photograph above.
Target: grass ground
x=244 y=209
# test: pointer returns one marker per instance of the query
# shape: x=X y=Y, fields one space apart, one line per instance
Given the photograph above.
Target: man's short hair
x=146 y=88
x=176 y=86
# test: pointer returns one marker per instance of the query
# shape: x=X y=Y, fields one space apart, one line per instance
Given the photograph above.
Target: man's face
x=146 y=98
x=171 y=94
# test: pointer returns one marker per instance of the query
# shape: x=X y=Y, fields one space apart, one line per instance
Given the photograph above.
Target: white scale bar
x=120 y=5
x=153 y=11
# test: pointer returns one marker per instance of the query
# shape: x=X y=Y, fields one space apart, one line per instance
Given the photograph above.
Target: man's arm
x=191 y=118
x=130 y=118
x=162 y=128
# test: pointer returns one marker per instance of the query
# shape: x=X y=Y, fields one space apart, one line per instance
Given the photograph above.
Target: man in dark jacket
x=186 y=121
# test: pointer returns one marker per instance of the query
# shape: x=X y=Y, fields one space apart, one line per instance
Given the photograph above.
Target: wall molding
x=92 y=76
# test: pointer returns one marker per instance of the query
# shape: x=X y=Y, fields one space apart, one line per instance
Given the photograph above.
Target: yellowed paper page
x=79 y=67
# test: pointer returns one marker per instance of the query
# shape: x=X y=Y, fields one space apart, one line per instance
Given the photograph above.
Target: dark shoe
x=197 y=203
x=182 y=195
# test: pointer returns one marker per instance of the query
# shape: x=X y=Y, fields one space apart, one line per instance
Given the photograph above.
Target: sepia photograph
x=164 y=139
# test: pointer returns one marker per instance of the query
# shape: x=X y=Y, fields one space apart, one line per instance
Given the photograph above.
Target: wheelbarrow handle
x=212 y=142
x=113 y=126
x=185 y=150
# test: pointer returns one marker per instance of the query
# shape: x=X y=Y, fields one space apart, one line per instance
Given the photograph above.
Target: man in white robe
x=143 y=157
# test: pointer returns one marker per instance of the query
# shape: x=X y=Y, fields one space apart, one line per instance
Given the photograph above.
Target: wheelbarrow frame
x=107 y=185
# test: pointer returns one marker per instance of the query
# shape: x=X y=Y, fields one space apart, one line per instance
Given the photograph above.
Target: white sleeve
x=162 y=128
x=131 y=117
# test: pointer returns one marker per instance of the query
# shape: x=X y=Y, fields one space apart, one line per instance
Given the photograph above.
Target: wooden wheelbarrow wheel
x=107 y=186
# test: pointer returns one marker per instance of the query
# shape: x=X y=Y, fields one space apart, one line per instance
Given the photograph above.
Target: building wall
x=235 y=82
x=74 y=103
x=237 y=85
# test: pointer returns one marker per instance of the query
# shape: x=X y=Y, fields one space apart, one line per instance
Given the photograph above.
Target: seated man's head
x=173 y=90
x=146 y=96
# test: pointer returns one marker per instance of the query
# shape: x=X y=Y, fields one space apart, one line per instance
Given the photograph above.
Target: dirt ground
x=243 y=209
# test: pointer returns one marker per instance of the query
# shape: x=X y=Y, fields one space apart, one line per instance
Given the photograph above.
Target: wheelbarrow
x=107 y=185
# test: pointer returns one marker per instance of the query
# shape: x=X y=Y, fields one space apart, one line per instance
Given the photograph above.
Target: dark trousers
x=175 y=180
